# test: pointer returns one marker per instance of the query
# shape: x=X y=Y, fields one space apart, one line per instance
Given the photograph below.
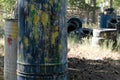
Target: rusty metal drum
x=10 y=58
x=42 y=48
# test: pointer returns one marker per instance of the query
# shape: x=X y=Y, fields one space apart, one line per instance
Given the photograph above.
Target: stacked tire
x=74 y=23
x=101 y=35
x=118 y=25
x=84 y=33
x=112 y=23
x=74 y=27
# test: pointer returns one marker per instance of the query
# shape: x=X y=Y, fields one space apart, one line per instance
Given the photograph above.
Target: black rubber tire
x=71 y=27
x=118 y=27
x=112 y=23
x=84 y=32
x=87 y=31
x=76 y=21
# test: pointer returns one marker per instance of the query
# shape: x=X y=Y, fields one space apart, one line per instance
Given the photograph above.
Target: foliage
x=86 y=4
x=6 y=10
x=82 y=5
x=116 y=3
x=6 y=7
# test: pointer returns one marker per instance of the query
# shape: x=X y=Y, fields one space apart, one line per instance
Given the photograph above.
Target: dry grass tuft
x=2 y=42
x=1 y=46
x=85 y=50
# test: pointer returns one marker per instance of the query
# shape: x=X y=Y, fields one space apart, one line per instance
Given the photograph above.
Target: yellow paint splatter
x=14 y=25
x=40 y=11
x=46 y=5
x=36 y=34
x=20 y=56
x=51 y=2
x=60 y=47
x=54 y=36
x=14 y=31
x=56 y=28
x=26 y=41
x=46 y=59
x=28 y=19
x=45 y=19
x=32 y=7
x=36 y=19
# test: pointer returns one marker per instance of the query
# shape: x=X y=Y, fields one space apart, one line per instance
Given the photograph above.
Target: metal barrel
x=42 y=48
x=10 y=58
x=103 y=20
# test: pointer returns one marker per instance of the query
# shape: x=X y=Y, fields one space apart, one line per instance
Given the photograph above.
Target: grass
x=107 y=44
x=2 y=42
x=83 y=49
x=1 y=37
x=117 y=48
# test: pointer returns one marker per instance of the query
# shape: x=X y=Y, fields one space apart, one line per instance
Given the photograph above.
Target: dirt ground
x=90 y=63
x=85 y=68
x=82 y=69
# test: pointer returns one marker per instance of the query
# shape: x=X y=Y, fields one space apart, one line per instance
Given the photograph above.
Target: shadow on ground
x=82 y=69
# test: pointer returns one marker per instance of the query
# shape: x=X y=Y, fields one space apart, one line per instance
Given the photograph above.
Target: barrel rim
x=42 y=74
x=46 y=64
x=13 y=20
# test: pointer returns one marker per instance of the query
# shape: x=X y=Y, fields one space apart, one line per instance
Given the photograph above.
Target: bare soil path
x=85 y=66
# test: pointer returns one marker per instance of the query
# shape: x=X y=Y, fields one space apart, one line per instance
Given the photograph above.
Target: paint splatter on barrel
x=10 y=58
x=42 y=48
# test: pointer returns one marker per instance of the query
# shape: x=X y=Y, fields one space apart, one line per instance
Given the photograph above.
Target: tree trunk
x=88 y=17
x=88 y=12
x=111 y=1
x=15 y=12
x=94 y=11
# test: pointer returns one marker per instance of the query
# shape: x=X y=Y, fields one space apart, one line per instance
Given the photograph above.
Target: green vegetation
x=7 y=7
x=116 y=4
x=106 y=45
x=1 y=42
x=89 y=4
x=117 y=48
x=6 y=10
x=82 y=5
